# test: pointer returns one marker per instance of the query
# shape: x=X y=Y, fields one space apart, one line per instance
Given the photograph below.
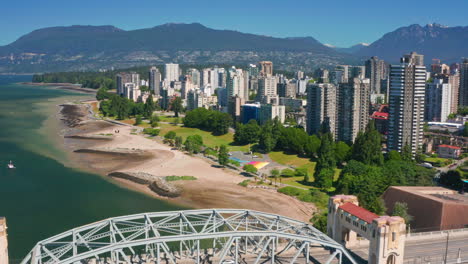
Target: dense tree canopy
x=248 y=133
x=367 y=147
x=210 y=120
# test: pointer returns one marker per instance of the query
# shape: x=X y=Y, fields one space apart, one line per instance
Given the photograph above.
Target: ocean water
x=42 y=197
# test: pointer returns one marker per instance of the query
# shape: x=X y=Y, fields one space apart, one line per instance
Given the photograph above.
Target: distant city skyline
x=344 y=24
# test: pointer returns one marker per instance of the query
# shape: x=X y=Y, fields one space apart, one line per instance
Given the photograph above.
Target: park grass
x=208 y=138
x=289 y=159
x=294 y=161
x=435 y=160
x=299 y=163
x=169 y=119
x=297 y=181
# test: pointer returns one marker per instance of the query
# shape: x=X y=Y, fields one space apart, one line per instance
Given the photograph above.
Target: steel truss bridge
x=192 y=236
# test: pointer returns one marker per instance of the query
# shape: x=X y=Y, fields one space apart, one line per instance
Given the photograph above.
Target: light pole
x=446 y=248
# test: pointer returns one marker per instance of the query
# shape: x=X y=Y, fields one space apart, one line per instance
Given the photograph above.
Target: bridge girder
x=230 y=234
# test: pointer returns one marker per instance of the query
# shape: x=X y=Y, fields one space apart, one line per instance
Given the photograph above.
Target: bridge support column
x=387 y=244
x=335 y=228
x=3 y=241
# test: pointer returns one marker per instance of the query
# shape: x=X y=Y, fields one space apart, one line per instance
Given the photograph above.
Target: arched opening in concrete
x=391 y=259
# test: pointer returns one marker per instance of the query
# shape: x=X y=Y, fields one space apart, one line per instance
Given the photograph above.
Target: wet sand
x=214 y=187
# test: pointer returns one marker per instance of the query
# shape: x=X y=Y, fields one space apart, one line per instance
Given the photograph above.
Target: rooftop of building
x=449 y=146
x=359 y=212
x=435 y=193
x=380 y=115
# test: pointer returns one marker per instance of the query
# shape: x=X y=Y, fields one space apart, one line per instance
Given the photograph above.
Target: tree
x=138 y=120
x=406 y=153
x=267 y=139
x=193 y=144
x=170 y=135
x=342 y=152
x=150 y=106
x=250 y=168
x=319 y=221
x=401 y=209
x=275 y=173
x=220 y=123
x=102 y=94
x=451 y=179
x=367 y=146
x=465 y=129
x=324 y=178
x=306 y=178
x=325 y=162
x=393 y=155
x=312 y=146
x=248 y=133
x=178 y=142
x=176 y=106
x=223 y=157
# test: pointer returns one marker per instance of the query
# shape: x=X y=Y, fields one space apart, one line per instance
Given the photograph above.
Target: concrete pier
x=3 y=241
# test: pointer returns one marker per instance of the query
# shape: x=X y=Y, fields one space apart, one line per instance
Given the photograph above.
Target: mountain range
x=81 y=48
x=435 y=41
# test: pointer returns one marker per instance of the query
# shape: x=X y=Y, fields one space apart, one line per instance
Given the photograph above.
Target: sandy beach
x=214 y=188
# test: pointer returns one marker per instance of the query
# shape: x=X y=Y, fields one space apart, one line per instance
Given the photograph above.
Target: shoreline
x=64 y=86
x=214 y=188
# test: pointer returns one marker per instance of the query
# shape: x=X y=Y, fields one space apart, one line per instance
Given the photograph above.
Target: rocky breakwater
x=157 y=184
x=116 y=151
x=92 y=137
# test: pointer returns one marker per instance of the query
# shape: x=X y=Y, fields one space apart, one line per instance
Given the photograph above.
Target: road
x=429 y=250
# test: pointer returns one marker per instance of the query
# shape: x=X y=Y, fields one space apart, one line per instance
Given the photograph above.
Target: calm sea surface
x=42 y=197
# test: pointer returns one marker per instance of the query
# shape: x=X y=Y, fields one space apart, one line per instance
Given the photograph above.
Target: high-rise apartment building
x=267 y=86
x=321 y=107
x=454 y=81
x=195 y=76
x=287 y=89
x=406 y=103
x=353 y=108
x=463 y=98
x=154 y=77
x=123 y=80
x=266 y=68
x=172 y=72
x=376 y=71
x=253 y=70
x=438 y=100
x=235 y=83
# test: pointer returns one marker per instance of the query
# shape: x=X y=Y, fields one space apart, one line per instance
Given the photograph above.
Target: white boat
x=11 y=166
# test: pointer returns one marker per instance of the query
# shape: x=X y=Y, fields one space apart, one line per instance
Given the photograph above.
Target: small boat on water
x=11 y=166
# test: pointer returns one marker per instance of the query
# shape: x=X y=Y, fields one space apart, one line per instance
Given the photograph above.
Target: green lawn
x=208 y=139
x=296 y=181
x=288 y=159
x=297 y=162
x=434 y=160
x=169 y=119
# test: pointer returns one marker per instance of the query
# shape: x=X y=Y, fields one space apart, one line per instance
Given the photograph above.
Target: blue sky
x=341 y=22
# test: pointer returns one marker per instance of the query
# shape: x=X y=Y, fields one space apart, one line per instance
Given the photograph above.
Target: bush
x=138 y=120
x=170 y=135
x=234 y=162
x=180 y=178
x=250 y=168
x=151 y=131
x=320 y=199
x=244 y=183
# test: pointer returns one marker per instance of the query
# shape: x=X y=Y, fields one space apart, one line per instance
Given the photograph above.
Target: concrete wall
x=3 y=241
